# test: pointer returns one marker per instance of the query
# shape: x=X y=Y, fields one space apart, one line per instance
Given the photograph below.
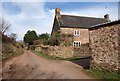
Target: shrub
x=8 y=50
x=32 y=47
x=53 y=42
x=54 y=39
x=40 y=41
x=5 y=38
x=66 y=39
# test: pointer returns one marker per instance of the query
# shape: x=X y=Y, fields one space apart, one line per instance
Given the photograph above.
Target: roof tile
x=79 y=21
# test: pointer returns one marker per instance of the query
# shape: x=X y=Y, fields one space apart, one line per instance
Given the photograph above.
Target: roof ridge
x=82 y=16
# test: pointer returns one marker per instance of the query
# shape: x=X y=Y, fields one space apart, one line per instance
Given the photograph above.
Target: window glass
x=76 y=43
x=76 y=32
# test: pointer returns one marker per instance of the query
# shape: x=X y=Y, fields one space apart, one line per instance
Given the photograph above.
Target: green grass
x=104 y=74
x=43 y=55
x=54 y=58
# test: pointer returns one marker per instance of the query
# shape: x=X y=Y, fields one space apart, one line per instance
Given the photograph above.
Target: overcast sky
x=39 y=16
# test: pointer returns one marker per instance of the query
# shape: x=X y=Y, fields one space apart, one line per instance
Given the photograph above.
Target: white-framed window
x=76 y=33
x=76 y=43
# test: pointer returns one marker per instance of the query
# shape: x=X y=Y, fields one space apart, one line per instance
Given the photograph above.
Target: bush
x=66 y=39
x=44 y=36
x=7 y=39
x=54 y=40
x=8 y=50
x=40 y=41
x=32 y=47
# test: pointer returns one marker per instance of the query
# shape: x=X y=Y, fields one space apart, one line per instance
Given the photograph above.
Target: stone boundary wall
x=82 y=51
x=104 y=47
x=64 y=51
x=57 y=51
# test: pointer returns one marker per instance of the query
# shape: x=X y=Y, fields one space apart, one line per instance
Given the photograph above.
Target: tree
x=13 y=36
x=30 y=36
x=4 y=25
x=42 y=39
x=44 y=36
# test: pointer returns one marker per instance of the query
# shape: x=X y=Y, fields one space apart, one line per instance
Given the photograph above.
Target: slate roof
x=79 y=21
x=105 y=24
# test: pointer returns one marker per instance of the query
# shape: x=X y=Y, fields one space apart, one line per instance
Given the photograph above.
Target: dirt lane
x=31 y=66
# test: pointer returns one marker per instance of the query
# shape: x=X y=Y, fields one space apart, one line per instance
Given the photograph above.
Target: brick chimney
x=57 y=13
x=107 y=17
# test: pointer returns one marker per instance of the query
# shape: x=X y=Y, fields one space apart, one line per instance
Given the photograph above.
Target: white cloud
x=32 y=17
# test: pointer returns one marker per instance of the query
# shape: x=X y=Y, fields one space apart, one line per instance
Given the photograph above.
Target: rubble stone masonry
x=56 y=51
x=84 y=34
x=104 y=47
x=64 y=51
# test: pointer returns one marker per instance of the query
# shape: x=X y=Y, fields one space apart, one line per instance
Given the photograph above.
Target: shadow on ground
x=84 y=62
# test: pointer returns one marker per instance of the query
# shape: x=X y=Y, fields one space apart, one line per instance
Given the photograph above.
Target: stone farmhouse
x=102 y=35
x=104 y=45
x=75 y=26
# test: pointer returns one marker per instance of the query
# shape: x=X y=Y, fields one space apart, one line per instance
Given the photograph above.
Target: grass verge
x=104 y=74
x=9 y=50
x=54 y=58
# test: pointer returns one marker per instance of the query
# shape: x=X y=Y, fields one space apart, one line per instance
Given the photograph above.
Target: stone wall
x=57 y=51
x=104 y=47
x=64 y=51
x=82 y=51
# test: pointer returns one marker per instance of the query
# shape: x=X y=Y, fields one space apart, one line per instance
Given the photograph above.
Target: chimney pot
x=106 y=17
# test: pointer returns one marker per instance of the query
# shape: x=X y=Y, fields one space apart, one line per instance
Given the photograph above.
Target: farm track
x=32 y=66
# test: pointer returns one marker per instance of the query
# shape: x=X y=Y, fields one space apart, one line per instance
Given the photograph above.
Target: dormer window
x=76 y=33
